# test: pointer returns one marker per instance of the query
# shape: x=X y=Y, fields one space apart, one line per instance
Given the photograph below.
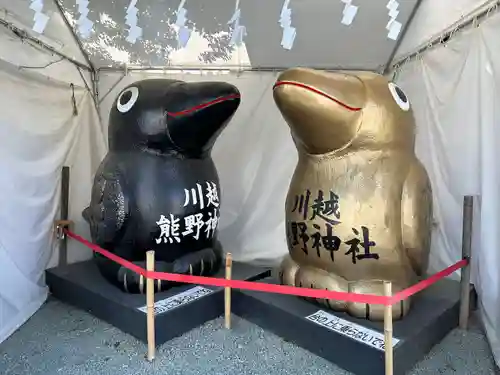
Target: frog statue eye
x=399 y=96
x=127 y=99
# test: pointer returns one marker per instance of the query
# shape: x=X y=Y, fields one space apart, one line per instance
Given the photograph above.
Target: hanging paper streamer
x=289 y=32
x=349 y=12
x=239 y=31
x=394 y=27
x=134 y=31
x=40 y=18
x=184 y=32
x=84 y=24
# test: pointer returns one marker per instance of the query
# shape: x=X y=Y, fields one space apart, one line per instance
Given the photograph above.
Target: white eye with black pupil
x=399 y=96
x=127 y=99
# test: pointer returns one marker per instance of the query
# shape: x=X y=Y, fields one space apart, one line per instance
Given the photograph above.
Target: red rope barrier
x=404 y=294
x=273 y=288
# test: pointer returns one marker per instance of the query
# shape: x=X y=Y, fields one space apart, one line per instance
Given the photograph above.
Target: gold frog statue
x=359 y=205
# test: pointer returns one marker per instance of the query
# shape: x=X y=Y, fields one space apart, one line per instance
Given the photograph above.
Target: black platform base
x=176 y=311
x=355 y=344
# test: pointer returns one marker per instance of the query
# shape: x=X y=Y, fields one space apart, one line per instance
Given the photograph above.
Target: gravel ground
x=59 y=339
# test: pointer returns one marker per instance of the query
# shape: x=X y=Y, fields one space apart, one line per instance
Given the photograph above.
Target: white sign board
x=354 y=331
x=180 y=299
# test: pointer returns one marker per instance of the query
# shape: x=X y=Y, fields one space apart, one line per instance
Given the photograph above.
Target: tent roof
x=321 y=41
x=435 y=16
x=104 y=27
x=56 y=34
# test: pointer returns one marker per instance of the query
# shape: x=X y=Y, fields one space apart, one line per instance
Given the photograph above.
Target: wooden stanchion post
x=63 y=241
x=227 y=292
x=466 y=254
x=150 y=303
x=389 y=364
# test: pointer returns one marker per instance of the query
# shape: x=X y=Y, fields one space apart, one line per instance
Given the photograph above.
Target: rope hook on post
x=61 y=227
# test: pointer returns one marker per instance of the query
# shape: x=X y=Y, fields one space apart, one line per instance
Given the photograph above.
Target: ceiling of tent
x=55 y=35
x=153 y=32
x=435 y=16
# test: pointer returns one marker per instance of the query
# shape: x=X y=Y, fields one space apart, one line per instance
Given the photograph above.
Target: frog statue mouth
x=321 y=109
x=316 y=91
x=206 y=104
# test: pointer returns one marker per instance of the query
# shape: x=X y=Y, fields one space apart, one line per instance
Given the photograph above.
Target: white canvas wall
x=39 y=133
x=455 y=91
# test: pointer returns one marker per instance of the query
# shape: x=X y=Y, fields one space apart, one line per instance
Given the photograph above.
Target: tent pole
x=63 y=246
x=387 y=66
x=238 y=68
x=75 y=37
x=80 y=46
x=21 y=34
x=465 y=285
x=101 y=99
x=444 y=36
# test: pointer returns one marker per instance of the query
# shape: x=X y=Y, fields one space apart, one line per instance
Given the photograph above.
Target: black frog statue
x=158 y=188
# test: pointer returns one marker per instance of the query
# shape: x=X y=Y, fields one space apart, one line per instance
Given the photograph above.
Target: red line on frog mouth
x=203 y=105
x=316 y=91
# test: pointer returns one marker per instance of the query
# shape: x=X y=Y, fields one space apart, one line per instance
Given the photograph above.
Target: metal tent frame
x=94 y=71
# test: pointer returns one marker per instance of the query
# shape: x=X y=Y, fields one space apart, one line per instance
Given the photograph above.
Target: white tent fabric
x=453 y=89
x=39 y=134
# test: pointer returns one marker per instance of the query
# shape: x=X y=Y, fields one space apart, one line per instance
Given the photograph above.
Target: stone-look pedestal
x=355 y=344
x=178 y=310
